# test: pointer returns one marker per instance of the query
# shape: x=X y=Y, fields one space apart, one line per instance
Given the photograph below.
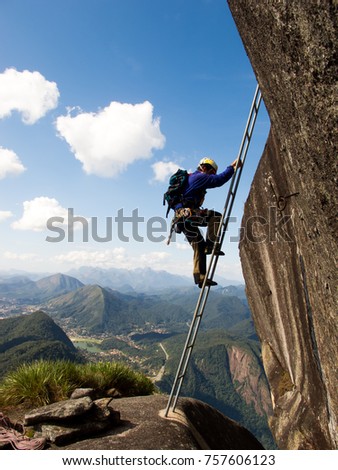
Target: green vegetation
x=209 y=378
x=90 y=345
x=144 y=355
x=142 y=333
x=106 y=375
x=28 y=338
x=43 y=382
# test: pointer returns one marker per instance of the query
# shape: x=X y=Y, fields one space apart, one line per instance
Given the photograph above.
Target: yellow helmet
x=209 y=161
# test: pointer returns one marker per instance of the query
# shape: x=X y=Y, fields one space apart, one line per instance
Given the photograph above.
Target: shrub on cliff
x=44 y=382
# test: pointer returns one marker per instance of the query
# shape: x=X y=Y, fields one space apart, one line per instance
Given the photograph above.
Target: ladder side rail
x=235 y=181
x=253 y=111
x=249 y=128
x=188 y=346
x=222 y=229
x=242 y=151
x=205 y=295
x=181 y=371
x=181 y=377
x=180 y=366
x=246 y=139
x=256 y=106
x=241 y=156
x=200 y=306
x=250 y=123
x=224 y=221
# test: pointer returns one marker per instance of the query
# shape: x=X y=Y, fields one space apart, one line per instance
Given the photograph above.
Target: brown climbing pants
x=190 y=226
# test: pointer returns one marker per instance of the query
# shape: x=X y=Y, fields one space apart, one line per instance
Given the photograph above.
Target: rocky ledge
x=136 y=423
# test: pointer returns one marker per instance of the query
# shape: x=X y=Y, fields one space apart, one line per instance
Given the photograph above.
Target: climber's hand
x=234 y=163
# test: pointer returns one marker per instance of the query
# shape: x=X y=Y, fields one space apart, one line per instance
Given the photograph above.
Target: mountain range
x=135 y=327
x=97 y=310
x=24 y=289
x=101 y=310
x=124 y=280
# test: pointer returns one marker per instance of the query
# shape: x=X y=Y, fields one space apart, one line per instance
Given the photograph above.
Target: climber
x=189 y=215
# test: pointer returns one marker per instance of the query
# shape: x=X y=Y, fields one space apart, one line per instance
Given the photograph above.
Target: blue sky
x=99 y=101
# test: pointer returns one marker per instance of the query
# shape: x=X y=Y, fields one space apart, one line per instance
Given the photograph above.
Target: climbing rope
x=10 y=435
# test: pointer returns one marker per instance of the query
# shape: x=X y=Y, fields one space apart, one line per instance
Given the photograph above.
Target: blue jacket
x=198 y=183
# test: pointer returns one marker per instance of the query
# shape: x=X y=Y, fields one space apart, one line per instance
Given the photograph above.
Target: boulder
x=59 y=411
x=70 y=420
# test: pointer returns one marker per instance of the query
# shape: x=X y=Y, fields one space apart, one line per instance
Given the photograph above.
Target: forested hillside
x=24 y=339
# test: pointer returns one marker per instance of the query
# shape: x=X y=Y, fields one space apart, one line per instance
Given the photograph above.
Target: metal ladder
x=202 y=299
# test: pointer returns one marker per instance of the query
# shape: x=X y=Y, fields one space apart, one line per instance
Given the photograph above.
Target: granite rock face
x=290 y=221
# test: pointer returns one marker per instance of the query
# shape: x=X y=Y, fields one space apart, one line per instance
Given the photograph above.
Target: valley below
x=146 y=331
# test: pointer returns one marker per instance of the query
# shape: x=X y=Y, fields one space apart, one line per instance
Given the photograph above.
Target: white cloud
x=163 y=170
x=113 y=258
x=153 y=259
x=182 y=246
x=103 y=259
x=108 y=141
x=29 y=93
x=21 y=256
x=37 y=212
x=5 y=215
x=10 y=163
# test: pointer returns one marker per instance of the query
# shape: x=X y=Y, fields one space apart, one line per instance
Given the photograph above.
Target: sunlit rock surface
x=290 y=221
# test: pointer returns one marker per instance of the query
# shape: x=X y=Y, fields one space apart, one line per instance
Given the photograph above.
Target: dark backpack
x=177 y=184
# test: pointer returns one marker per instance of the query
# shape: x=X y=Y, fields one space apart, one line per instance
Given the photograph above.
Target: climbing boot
x=209 y=283
x=209 y=249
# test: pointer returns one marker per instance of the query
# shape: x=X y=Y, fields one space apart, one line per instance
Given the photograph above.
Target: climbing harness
x=185 y=214
x=225 y=219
